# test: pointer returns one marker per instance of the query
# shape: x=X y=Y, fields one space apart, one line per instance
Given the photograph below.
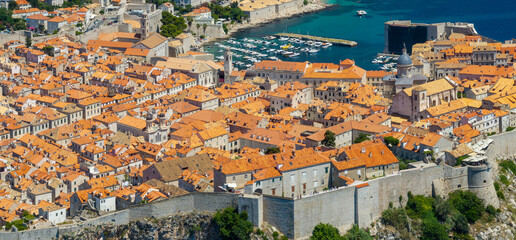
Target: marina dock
x=333 y=41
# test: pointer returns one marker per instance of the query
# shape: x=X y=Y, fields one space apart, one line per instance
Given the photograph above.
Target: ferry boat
x=361 y=13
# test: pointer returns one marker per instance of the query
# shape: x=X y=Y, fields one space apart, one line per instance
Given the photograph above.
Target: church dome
x=404 y=59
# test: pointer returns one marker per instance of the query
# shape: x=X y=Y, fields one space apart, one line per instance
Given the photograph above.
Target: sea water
x=494 y=19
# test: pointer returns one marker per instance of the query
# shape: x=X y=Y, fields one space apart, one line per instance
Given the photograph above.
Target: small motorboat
x=361 y=13
x=327 y=45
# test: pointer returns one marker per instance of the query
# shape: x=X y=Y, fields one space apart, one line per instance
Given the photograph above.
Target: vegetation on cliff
x=326 y=231
x=233 y=225
x=435 y=218
x=225 y=224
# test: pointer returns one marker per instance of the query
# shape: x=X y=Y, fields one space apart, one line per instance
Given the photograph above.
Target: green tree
x=468 y=204
x=305 y=2
x=361 y=137
x=190 y=21
x=28 y=41
x=170 y=30
x=231 y=12
x=396 y=217
x=233 y=225
x=48 y=50
x=329 y=139
x=433 y=230
x=460 y=224
x=204 y=26
x=19 y=25
x=419 y=206
x=225 y=28
x=391 y=141
x=325 y=231
x=172 y=25
x=442 y=208
x=272 y=150
x=13 y=5
x=355 y=233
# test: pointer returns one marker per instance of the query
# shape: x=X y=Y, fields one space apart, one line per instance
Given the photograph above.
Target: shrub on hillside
x=396 y=217
x=325 y=231
x=508 y=165
x=468 y=204
x=419 y=206
x=433 y=230
x=355 y=233
x=233 y=225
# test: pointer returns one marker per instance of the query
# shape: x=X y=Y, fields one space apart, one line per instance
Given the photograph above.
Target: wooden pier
x=333 y=41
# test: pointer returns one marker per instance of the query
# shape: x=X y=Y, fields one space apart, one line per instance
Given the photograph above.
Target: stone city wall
x=340 y=207
x=209 y=202
x=503 y=145
x=363 y=205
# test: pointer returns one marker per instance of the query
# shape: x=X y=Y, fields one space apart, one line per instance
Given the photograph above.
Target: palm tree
x=204 y=26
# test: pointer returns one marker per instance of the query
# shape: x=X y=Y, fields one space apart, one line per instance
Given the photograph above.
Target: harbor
x=248 y=51
x=342 y=21
x=334 y=41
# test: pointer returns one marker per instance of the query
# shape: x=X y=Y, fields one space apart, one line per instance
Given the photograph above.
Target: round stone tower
x=480 y=182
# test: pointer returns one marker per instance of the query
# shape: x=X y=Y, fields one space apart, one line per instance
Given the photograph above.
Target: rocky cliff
x=196 y=225
x=187 y=226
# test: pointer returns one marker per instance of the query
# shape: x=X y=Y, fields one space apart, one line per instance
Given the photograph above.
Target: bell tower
x=228 y=65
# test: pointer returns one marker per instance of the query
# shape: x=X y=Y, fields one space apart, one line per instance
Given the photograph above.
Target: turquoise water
x=494 y=19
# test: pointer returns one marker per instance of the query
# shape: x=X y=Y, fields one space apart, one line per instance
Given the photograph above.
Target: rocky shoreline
x=310 y=8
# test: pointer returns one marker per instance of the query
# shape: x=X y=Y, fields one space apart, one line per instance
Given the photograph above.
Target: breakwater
x=335 y=41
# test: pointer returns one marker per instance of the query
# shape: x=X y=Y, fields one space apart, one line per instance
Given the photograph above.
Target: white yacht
x=327 y=45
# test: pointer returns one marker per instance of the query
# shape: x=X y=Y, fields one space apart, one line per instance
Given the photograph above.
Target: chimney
x=363 y=150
